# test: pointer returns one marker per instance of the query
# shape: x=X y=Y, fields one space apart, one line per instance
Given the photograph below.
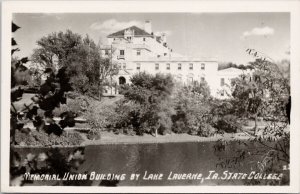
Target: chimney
x=148 y=27
x=164 y=37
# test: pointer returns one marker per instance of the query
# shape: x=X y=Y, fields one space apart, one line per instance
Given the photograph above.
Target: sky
x=223 y=36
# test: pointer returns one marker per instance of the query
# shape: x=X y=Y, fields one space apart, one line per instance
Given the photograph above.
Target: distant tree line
x=225 y=65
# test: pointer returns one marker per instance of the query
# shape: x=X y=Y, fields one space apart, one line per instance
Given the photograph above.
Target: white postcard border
x=292 y=6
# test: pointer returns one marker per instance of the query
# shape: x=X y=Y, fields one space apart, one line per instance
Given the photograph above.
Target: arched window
x=190 y=78
x=122 y=80
x=179 y=77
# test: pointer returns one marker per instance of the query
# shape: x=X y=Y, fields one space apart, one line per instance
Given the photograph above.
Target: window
x=106 y=52
x=156 y=66
x=190 y=80
x=124 y=65
x=202 y=66
x=165 y=54
x=179 y=66
x=122 y=52
x=144 y=39
x=191 y=66
x=138 y=66
x=138 y=52
x=222 y=92
x=168 y=66
x=179 y=77
x=202 y=79
x=222 y=81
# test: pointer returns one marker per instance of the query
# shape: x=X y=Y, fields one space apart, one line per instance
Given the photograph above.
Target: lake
x=163 y=164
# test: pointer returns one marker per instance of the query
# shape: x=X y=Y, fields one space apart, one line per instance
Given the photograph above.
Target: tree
x=254 y=94
x=51 y=94
x=82 y=58
x=201 y=88
x=193 y=107
x=150 y=97
x=56 y=49
x=266 y=94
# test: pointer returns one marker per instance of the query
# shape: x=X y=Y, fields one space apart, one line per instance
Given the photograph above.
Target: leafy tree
x=193 y=109
x=267 y=95
x=39 y=112
x=259 y=94
x=81 y=57
x=201 y=88
x=51 y=94
x=150 y=97
x=57 y=49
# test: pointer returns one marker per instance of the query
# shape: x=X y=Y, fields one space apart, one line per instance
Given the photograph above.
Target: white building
x=137 y=50
x=225 y=76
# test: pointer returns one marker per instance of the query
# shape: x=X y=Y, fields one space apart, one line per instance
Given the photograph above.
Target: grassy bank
x=108 y=138
x=111 y=138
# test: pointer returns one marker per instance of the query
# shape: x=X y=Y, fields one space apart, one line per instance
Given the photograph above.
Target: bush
x=93 y=134
x=228 y=124
x=201 y=129
x=78 y=105
x=179 y=126
x=100 y=115
x=42 y=139
x=206 y=130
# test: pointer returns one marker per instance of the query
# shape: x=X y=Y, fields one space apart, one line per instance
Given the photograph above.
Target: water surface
x=164 y=158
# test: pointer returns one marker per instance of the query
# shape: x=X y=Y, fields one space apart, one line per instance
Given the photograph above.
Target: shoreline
x=108 y=138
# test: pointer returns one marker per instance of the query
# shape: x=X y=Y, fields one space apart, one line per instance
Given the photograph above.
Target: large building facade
x=141 y=50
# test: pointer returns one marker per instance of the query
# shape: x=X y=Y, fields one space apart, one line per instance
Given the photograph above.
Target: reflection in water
x=137 y=158
x=132 y=158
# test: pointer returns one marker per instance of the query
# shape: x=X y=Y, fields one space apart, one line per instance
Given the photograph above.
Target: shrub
x=99 y=114
x=179 y=126
x=41 y=138
x=206 y=130
x=80 y=83
x=228 y=124
x=78 y=105
x=93 y=134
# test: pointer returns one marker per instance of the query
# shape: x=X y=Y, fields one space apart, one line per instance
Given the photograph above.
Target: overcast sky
x=224 y=36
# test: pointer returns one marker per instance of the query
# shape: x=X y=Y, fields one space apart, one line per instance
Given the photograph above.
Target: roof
x=231 y=70
x=137 y=32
